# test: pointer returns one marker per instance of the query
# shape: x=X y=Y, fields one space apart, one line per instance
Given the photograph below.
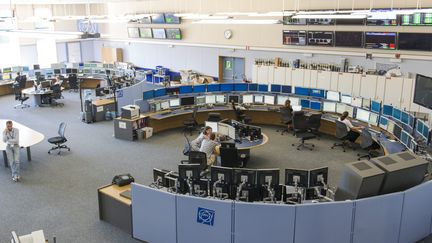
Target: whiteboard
x=74 y=51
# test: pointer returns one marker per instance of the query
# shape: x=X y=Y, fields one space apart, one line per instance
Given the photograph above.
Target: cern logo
x=205 y=216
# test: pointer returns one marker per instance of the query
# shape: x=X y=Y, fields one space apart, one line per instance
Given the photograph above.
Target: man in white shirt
x=208 y=146
x=11 y=138
x=352 y=135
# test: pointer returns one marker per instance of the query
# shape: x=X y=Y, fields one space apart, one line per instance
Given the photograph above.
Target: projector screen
x=423 y=91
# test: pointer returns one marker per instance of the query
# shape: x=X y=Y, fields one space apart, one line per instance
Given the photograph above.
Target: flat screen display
x=382 y=22
x=362 y=115
x=350 y=21
x=158 y=19
x=281 y=99
x=423 y=91
x=288 y=20
x=170 y=18
x=333 y=95
x=305 y=104
x=259 y=99
x=329 y=107
x=159 y=92
x=145 y=20
x=320 y=38
x=240 y=87
x=349 y=39
x=286 y=89
x=213 y=88
x=376 y=106
x=247 y=99
x=388 y=110
x=173 y=34
x=318 y=93
x=253 y=87
x=133 y=32
x=186 y=89
x=416 y=19
x=146 y=33
x=294 y=37
x=301 y=91
x=315 y=105
x=148 y=95
x=380 y=40
x=226 y=87
x=187 y=101
x=321 y=21
x=269 y=100
x=159 y=33
x=199 y=88
x=275 y=88
x=262 y=87
x=415 y=41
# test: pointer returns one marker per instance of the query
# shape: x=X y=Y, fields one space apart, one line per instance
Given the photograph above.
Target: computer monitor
x=159 y=92
x=390 y=126
x=213 y=87
x=269 y=100
x=294 y=101
x=376 y=106
x=296 y=107
x=286 y=89
x=405 y=117
x=318 y=177
x=148 y=95
x=164 y=105
x=159 y=177
x=259 y=99
x=333 y=95
x=397 y=130
x=226 y=130
x=247 y=176
x=301 y=91
x=174 y=102
x=213 y=125
x=220 y=99
x=383 y=122
x=189 y=171
x=186 y=89
x=233 y=98
x=373 y=119
x=316 y=105
x=404 y=138
x=388 y=110
x=362 y=115
x=422 y=129
x=268 y=177
x=210 y=99
x=297 y=177
x=253 y=87
x=346 y=99
x=241 y=87
x=281 y=99
x=397 y=113
x=305 y=103
x=224 y=174
x=199 y=88
x=263 y=88
x=366 y=104
x=227 y=87
x=247 y=99
x=57 y=71
x=200 y=100
x=187 y=101
x=329 y=107
x=317 y=93
x=357 y=101
x=276 y=88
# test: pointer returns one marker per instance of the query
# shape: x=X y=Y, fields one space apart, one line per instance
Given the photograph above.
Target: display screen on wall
x=321 y=21
x=146 y=33
x=380 y=40
x=320 y=38
x=288 y=20
x=416 y=19
x=294 y=37
x=170 y=18
x=158 y=19
x=415 y=41
x=173 y=34
x=382 y=22
x=159 y=33
x=145 y=20
x=423 y=91
x=133 y=32
x=350 y=21
x=349 y=39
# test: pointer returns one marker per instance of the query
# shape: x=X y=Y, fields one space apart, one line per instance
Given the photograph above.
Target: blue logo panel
x=205 y=216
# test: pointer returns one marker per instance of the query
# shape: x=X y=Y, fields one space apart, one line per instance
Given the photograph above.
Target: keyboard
x=166 y=113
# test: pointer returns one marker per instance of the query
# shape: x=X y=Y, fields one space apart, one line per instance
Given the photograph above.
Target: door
x=233 y=69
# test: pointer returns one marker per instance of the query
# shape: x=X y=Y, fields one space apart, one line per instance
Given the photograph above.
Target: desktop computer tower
x=359 y=179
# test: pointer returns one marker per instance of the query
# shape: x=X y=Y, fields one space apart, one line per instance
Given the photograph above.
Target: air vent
x=361 y=166
x=387 y=161
x=406 y=156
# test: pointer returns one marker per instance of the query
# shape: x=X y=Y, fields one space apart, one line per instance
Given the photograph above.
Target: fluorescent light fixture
x=336 y=16
x=236 y=13
x=238 y=21
x=41 y=34
x=201 y=16
x=271 y=14
x=315 y=12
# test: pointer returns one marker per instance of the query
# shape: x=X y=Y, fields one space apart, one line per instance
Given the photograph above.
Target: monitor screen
x=397 y=113
x=346 y=99
x=160 y=92
x=220 y=99
x=36 y=66
x=288 y=20
x=329 y=107
x=383 y=122
x=301 y=91
x=281 y=99
x=174 y=102
x=366 y=103
x=276 y=88
x=159 y=33
x=376 y=106
x=356 y=101
x=416 y=19
x=133 y=32
x=350 y=21
x=173 y=34
x=171 y=18
x=233 y=98
x=320 y=38
x=263 y=88
x=148 y=95
x=286 y=89
x=349 y=39
x=297 y=107
x=320 y=21
x=259 y=99
x=373 y=119
x=253 y=87
x=158 y=19
x=247 y=99
x=213 y=87
x=226 y=87
x=404 y=138
x=390 y=126
x=200 y=100
x=146 y=33
x=294 y=37
x=57 y=71
x=333 y=95
x=315 y=105
x=187 y=101
x=164 y=105
x=199 y=88
x=185 y=89
x=241 y=87
x=294 y=101
x=210 y=99
x=318 y=93
x=388 y=110
x=415 y=41
x=380 y=40
x=269 y=99
x=362 y=115
x=305 y=104
x=405 y=118
x=423 y=91
x=145 y=20
x=397 y=130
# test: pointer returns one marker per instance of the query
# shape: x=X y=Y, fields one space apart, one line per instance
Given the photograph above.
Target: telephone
x=123 y=180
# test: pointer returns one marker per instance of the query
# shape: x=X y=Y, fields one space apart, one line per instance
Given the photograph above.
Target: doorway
x=231 y=69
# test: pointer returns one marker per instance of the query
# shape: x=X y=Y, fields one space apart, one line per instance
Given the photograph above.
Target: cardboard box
x=148 y=132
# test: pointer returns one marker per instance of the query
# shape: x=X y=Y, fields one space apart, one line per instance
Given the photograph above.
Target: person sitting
x=196 y=143
x=209 y=147
x=288 y=106
x=352 y=130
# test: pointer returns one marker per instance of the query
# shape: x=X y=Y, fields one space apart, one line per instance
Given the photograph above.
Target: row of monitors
x=415 y=19
x=155 y=33
x=353 y=39
x=162 y=18
x=15 y=69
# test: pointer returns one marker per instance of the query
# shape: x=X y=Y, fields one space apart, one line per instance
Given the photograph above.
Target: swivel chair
x=60 y=140
x=301 y=131
x=229 y=157
x=240 y=116
x=342 y=134
x=191 y=124
x=314 y=124
x=286 y=119
x=368 y=144
x=56 y=95
x=19 y=97
x=73 y=83
x=214 y=117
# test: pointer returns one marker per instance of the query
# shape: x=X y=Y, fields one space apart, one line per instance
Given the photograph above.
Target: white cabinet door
x=393 y=91
x=368 y=86
x=255 y=74
x=307 y=78
x=334 y=81
x=263 y=74
x=356 y=85
x=380 y=88
x=298 y=77
x=407 y=98
x=270 y=74
x=345 y=83
x=279 y=75
x=288 y=76
x=324 y=80
x=313 y=78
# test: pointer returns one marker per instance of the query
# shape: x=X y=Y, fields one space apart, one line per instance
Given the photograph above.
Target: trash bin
x=140 y=134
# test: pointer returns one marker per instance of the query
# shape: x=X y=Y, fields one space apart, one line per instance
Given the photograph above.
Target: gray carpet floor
x=58 y=193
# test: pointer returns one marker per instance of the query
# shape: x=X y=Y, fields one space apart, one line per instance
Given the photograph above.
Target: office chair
x=22 y=82
x=314 y=124
x=214 y=117
x=19 y=97
x=240 y=116
x=191 y=124
x=196 y=157
x=286 y=119
x=56 y=95
x=229 y=157
x=367 y=143
x=60 y=140
x=73 y=83
x=342 y=134
x=301 y=130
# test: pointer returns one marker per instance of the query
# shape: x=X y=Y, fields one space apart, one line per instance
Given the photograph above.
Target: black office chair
x=196 y=157
x=314 y=124
x=191 y=124
x=73 y=83
x=19 y=97
x=22 y=82
x=56 y=95
x=286 y=119
x=368 y=144
x=60 y=140
x=342 y=134
x=301 y=130
x=240 y=116
x=229 y=157
x=214 y=117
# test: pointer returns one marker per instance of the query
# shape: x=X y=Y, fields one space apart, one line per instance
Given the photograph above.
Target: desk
x=115 y=209
x=90 y=83
x=38 y=94
x=6 y=86
x=99 y=108
x=28 y=137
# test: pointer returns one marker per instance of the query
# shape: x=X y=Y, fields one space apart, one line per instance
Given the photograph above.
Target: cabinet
x=262 y=74
x=368 y=86
x=279 y=75
x=334 y=81
x=127 y=128
x=380 y=88
x=324 y=80
x=255 y=74
x=345 y=83
x=298 y=77
x=288 y=76
x=407 y=98
x=356 y=85
x=393 y=91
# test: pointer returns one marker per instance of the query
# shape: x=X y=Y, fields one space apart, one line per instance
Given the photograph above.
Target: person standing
x=11 y=138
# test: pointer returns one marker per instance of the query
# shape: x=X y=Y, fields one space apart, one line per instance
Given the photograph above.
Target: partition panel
x=345 y=84
x=257 y=223
x=377 y=219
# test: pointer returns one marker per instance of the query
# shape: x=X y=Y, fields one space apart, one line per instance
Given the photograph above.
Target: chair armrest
x=184 y=162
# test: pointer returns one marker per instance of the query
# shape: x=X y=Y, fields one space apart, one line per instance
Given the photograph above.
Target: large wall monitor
x=294 y=37
x=320 y=38
x=423 y=91
x=146 y=33
x=380 y=40
x=415 y=41
x=159 y=33
x=133 y=32
x=171 y=18
x=349 y=39
x=173 y=34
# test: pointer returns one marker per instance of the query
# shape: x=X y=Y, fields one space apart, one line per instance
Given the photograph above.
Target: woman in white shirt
x=196 y=143
x=352 y=135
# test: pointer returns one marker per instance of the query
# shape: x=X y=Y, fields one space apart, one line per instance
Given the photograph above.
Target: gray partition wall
x=128 y=95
